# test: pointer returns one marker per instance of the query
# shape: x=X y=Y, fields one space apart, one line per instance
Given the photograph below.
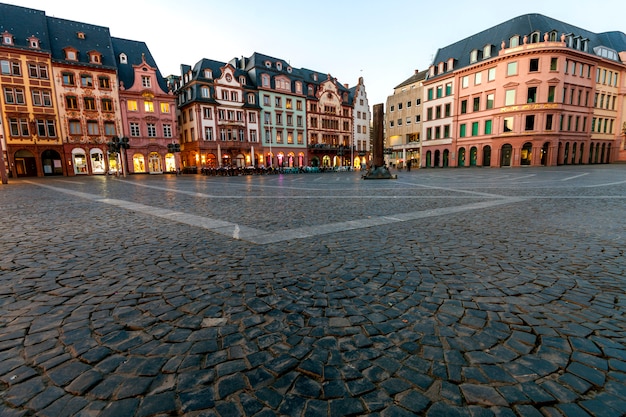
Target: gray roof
x=135 y=52
x=523 y=25
x=22 y=23
x=416 y=77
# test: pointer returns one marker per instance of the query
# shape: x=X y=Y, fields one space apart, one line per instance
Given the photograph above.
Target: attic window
x=33 y=42
x=487 y=51
x=123 y=58
x=289 y=69
x=534 y=37
x=242 y=80
x=71 y=54
x=473 y=56
x=7 y=38
x=514 y=41
x=208 y=74
x=268 y=64
x=80 y=35
x=553 y=36
x=279 y=66
x=95 y=57
x=605 y=52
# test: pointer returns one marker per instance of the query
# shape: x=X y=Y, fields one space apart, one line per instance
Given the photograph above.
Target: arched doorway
x=51 y=162
x=446 y=158
x=291 y=159
x=608 y=153
x=527 y=154
x=211 y=160
x=544 y=153
x=566 y=153
x=461 y=158
x=574 y=153
x=240 y=161
x=597 y=153
x=170 y=162
x=603 y=154
x=79 y=159
x=487 y=156
x=505 y=158
x=315 y=161
x=582 y=151
x=25 y=163
x=154 y=163
x=437 y=161
x=97 y=161
x=139 y=164
x=301 y=159
x=473 y=156
x=326 y=161
x=428 y=159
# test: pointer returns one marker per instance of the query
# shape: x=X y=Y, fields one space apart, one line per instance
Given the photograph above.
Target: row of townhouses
x=69 y=90
x=529 y=91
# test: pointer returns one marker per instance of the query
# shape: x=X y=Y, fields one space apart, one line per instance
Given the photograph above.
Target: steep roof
x=416 y=77
x=64 y=33
x=523 y=25
x=135 y=52
x=22 y=23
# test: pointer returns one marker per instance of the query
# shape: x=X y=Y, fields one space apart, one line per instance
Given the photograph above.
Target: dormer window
x=279 y=66
x=7 y=38
x=265 y=80
x=314 y=77
x=208 y=74
x=268 y=64
x=289 y=69
x=123 y=58
x=33 y=42
x=80 y=35
x=95 y=57
x=242 y=80
x=534 y=37
x=487 y=51
x=473 y=56
x=71 y=54
x=514 y=41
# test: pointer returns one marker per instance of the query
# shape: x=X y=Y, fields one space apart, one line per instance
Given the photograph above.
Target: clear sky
x=382 y=41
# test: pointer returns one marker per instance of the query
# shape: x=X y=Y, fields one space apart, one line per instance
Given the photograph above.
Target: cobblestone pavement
x=460 y=292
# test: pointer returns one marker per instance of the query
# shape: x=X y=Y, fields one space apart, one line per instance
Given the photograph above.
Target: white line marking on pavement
x=605 y=185
x=575 y=176
x=262 y=237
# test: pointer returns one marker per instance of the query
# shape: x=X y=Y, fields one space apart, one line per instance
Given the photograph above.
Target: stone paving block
x=163 y=403
x=23 y=392
x=591 y=375
x=126 y=407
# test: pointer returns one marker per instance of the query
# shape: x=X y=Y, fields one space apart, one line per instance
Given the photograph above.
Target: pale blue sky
x=383 y=41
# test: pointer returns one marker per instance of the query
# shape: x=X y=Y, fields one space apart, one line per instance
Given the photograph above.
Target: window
x=554 y=64
x=167 y=130
x=38 y=71
x=107 y=104
x=252 y=117
x=299 y=105
x=478 y=78
x=86 y=80
x=448 y=89
x=92 y=128
x=429 y=133
x=90 y=103
x=68 y=79
x=14 y=96
x=165 y=107
x=151 y=130
x=448 y=110
x=288 y=103
x=400 y=104
x=437 y=112
x=104 y=82
x=438 y=132
x=530 y=122
x=75 y=128
x=490 y=100
x=463 y=130
x=71 y=102
x=134 y=129
x=429 y=113
x=109 y=129
x=508 y=124
x=132 y=105
x=146 y=82
x=551 y=93
x=430 y=94
x=474 y=128
x=463 y=106
x=204 y=92
x=532 y=95
x=439 y=92
x=491 y=74
x=476 y=106
x=549 y=118
x=488 y=127
x=511 y=68
x=149 y=107
x=465 y=81
x=509 y=97
x=534 y=65
x=10 y=68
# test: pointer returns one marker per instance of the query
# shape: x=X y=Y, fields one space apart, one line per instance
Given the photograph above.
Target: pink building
x=531 y=100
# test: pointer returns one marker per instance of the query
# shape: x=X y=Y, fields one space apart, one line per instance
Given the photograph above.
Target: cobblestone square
x=464 y=292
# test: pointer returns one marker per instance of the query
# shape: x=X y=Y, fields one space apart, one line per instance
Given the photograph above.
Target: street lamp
x=115 y=146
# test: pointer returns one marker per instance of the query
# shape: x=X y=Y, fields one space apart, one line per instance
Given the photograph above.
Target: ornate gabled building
x=361 y=116
x=329 y=120
x=218 y=116
x=526 y=92
x=148 y=109
x=283 y=109
x=404 y=121
x=29 y=109
x=86 y=85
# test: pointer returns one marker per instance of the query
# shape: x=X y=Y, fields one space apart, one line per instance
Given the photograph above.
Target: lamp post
x=115 y=146
x=174 y=148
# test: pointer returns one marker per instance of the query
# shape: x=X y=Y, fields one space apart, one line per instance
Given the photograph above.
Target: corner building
x=530 y=91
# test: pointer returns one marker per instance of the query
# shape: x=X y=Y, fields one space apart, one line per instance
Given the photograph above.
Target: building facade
x=404 y=121
x=362 y=116
x=527 y=100
x=148 y=110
